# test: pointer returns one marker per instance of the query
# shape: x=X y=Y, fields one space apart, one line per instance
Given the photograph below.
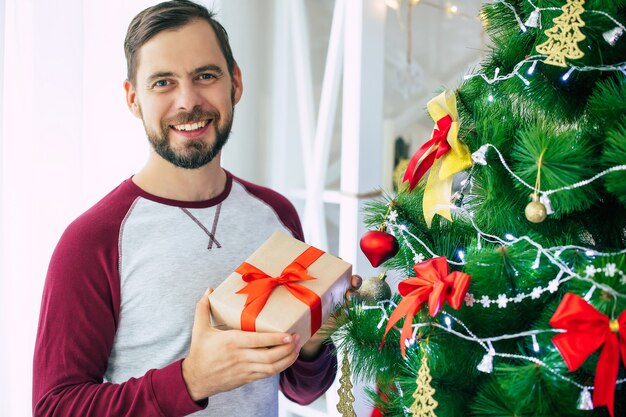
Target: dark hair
x=166 y=16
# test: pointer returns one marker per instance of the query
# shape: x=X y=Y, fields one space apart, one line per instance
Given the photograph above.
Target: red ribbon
x=436 y=147
x=587 y=330
x=433 y=283
x=260 y=286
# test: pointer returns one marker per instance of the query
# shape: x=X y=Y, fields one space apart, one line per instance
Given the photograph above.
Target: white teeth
x=191 y=126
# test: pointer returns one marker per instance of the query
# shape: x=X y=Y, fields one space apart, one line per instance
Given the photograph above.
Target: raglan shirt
x=119 y=300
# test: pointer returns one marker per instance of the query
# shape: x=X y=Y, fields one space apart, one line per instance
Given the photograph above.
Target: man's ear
x=131 y=99
x=237 y=84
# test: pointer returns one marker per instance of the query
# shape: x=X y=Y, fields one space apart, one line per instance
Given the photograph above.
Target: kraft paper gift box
x=271 y=273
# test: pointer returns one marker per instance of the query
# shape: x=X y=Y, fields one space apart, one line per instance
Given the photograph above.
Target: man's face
x=184 y=94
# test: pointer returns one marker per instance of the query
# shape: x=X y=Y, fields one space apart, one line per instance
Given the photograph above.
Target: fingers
x=273 y=354
x=276 y=367
x=356 y=282
x=203 y=310
x=260 y=340
x=256 y=363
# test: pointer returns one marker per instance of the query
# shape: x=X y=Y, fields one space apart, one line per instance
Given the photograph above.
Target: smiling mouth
x=190 y=127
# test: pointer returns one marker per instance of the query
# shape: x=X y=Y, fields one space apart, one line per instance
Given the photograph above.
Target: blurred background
x=334 y=99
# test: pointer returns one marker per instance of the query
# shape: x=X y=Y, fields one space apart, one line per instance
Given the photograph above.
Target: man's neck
x=161 y=178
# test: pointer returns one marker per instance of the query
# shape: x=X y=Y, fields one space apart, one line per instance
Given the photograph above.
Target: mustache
x=195 y=115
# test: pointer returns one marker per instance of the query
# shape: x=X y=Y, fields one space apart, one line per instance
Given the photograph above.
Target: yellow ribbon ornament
x=444 y=154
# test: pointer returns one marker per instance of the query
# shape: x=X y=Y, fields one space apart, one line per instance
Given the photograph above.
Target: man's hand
x=222 y=360
x=312 y=347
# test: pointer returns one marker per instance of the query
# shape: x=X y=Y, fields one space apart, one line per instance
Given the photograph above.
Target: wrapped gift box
x=283 y=312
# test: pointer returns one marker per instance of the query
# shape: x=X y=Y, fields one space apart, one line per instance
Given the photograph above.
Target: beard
x=195 y=153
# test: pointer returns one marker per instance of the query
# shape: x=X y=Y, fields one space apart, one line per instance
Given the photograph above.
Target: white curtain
x=67 y=139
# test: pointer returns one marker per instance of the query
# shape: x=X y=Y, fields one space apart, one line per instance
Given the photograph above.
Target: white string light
x=497 y=77
x=564 y=275
x=617 y=23
x=486 y=343
x=534 y=20
x=541 y=9
x=516 y=70
x=519 y=21
x=553 y=258
x=535 y=343
x=543 y=364
x=537 y=260
x=580 y=248
x=403 y=229
x=524 y=80
x=590 y=293
x=482 y=153
x=552 y=254
x=566 y=76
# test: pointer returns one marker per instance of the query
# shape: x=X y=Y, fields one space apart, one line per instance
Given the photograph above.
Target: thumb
x=203 y=310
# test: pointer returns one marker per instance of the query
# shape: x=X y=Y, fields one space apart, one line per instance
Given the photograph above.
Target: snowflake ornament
x=536 y=293
x=418 y=258
x=553 y=286
x=502 y=301
x=485 y=301
x=610 y=270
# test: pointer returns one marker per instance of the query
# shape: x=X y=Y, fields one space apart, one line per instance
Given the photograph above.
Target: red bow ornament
x=433 y=149
x=586 y=331
x=432 y=282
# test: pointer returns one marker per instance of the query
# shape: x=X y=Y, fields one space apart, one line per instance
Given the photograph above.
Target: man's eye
x=206 y=76
x=161 y=83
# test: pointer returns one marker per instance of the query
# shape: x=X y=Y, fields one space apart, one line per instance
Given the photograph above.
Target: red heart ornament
x=378 y=246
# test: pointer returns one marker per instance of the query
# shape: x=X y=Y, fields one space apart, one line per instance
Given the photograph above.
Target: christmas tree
x=510 y=225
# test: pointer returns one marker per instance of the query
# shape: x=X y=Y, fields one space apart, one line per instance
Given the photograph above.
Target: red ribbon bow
x=260 y=286
x=436 y=147
x=433 y=283
x=587 y=330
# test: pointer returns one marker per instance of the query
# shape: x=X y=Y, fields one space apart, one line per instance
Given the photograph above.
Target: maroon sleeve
x=304 y=381
x=77 y=325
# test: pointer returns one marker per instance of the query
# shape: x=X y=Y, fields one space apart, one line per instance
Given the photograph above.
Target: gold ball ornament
x=535 y=211
x=374 y=289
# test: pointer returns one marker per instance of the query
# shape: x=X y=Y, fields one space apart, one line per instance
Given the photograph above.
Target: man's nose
x=188 y=96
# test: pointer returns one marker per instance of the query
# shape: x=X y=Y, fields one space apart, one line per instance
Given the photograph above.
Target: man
x=118 y=334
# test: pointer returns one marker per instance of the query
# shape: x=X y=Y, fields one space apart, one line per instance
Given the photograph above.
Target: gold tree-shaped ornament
x=424 y=404
x=346 y=398
x=564 y=36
